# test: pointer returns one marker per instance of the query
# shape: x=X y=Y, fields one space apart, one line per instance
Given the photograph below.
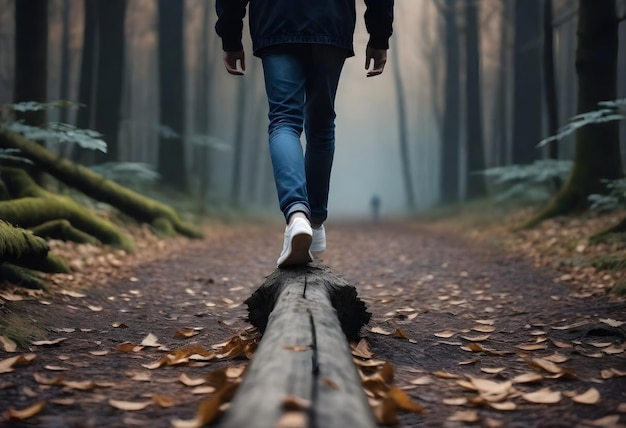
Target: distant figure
x=303 y=45
x=375 y=204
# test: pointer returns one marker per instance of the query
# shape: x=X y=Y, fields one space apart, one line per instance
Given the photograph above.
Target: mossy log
x=304 y=353
x=36 y=206
x=96 y=186
x=22 y=248
x=21 y=277
x=64 y=231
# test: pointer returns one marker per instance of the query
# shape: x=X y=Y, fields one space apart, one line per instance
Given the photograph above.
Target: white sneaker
x=298 y=237
x=318 y=243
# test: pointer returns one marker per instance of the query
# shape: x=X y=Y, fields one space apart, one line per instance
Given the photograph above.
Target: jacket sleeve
x=379 y=22
x=229 y=26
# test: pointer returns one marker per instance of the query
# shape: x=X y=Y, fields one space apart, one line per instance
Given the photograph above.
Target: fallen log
x=303 y=369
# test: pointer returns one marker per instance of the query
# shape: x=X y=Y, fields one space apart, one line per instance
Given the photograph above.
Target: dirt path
x=443 y=292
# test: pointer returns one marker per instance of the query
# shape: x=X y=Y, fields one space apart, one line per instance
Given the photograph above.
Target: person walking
x=303 y=45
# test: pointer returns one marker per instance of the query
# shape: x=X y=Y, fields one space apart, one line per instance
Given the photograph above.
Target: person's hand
x=379 y=57
x=230 y=61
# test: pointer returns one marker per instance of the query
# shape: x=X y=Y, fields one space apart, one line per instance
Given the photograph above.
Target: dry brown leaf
x=612 y=322
x=486 y=322
x=469 y=416
x=532 y=346
x=99 y=353
x=380 y=330
x=404 y=402
x=140 y=376
x=422 y=380
x=95 y=308
x=543 y=396
x=546 y=365
x=296 y=348
x=208 y=409
x=470 y=361
x=8 y=364
x=445 y=334
x=48 y=342
x=200 y=390
x=125 y=347
x=163 y=401
x=600 y=344
x=63 y=401
x=612 y=350
x=529 y=377
x=492 y=370
x=362 y=349
x=479 y=338
x=86 y=385
x=185 y=332
x=400 y=334
x=129 y=405
x=186 y=380
x=561 y=344
x=556 y=358
x=26 y=413
x=484 y=328
x=54 y=368
x=442 y=374
x=591 y=396
x=489 y=386
x=151 y=341
x=293 y=419
x=458 y=401
x=368 y=363
x=610 y=421
x=72 y=293
x=8 y=345
x=235 y=372
x=292 y=403
x=385 y=411
x=119 y=324
x=39 y=378
x=504 y=405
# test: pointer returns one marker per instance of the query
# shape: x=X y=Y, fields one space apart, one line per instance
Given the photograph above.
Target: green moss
x=20 y=328
x=163 y=227
x=609 y=262
x=63 y=230
x=21 y=277
x=17 y=243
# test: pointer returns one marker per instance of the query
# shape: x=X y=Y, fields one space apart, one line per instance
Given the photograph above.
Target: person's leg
x=323 y=72
x=285 y=87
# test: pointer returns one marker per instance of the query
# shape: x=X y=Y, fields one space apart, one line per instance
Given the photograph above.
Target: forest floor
x=482 y=326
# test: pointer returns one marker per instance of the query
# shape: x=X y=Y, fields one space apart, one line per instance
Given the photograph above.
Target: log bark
x=304 y=353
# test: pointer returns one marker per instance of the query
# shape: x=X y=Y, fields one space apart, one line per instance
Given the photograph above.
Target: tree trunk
x=527 y=105
x=405 y=155
x=476 y=187
x=303 y=348
x=64 y=90
x=597 y=151
x=451 y=115
x=550 y=78
x=31 y=57
x=110 y=75
x=171 y=161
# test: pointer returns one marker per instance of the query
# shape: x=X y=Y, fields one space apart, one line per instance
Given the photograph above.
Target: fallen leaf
x=292 y=419
x=459 y=401
x=591 y=396
x=43 y=380
x=54 y=368
x=185 y=332
x=163 y=401
x=600 y=344
x=8 y=364
x=612 y=350
x=543 y=396
x=504 y=405
x=362 y=349
x=546 y=365
x=63 y=401
x=186 y=380
x=479 y=338
x=400 y=334
x=484 y=328
x=129 y=405
x=125 y=347
x=529 y=377
x=612 y=322
x=445 y=334
x=298 y=348
x=293 y=402
x=442 y=374
x=561 y=344
x=486 y=322
x=489 y=386
x=556 y=358
x=380 y=330
x=150 y=341
x=532 y=346
x=99 y=353
x=119 y=324
x=469 y=416
x=48 y=342
x=72 y=293
x=492 y=370
x=199 y=390
x=95 y=308
x=86 y=385
x=422 y=380
x=8 y=345
x=404 y=402
x=26 y=413
x=470 y=361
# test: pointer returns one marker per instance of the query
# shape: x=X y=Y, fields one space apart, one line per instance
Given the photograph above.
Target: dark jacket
x=275 y=22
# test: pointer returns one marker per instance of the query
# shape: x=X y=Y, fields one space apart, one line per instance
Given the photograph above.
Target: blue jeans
x=301 y=84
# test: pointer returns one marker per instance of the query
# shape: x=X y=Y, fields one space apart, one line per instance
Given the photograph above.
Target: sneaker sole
x=300 y=254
